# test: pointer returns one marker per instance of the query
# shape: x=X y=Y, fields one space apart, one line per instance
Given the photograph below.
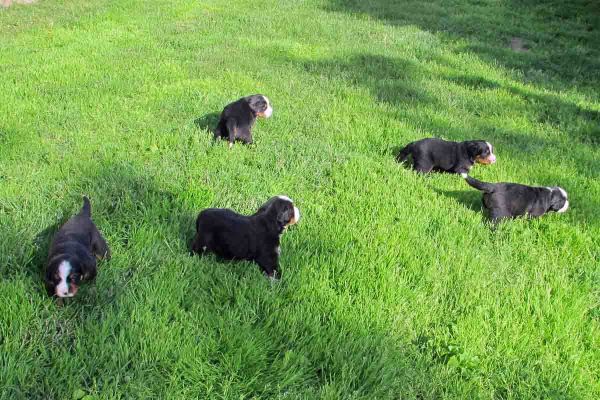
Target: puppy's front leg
x=270 y=265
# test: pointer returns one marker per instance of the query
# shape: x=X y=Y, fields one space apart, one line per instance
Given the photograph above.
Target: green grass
x=393 y=286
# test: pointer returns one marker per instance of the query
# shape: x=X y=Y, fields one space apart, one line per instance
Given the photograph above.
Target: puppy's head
x=558 y=200
x=63 y=278
x=481 y=151
x=260 y=105
x=284 y=211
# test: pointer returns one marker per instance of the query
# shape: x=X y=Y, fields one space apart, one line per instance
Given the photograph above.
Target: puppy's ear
x=265 y=206
x=474 y=149
x=50 y=279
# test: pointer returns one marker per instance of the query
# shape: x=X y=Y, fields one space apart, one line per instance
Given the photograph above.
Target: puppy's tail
x=482 y=186
x=86 y=210
x=404 y=153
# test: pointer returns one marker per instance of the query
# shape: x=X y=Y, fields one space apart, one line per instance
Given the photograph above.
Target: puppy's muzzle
x=565 y=207
x=486 y=160
x=69 y=292
x=296 y=216
x=267 y=113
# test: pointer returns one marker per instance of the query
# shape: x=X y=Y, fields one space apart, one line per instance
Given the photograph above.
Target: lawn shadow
x=555 y=36
x=208 y=122
x=470 y=199
x=41 y=244
x=390 y=80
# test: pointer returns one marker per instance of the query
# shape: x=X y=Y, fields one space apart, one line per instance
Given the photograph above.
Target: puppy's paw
x=230 y=145
x=273 y=277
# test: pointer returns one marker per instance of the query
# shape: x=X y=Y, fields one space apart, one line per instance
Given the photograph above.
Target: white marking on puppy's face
x=62 y=289
x=566 y=206
x=285 y=198
x=492 y=156
x=296 y=214
x=269 y=110
x=564 y=193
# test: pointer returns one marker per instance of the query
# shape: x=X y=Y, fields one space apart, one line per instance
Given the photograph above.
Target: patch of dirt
x=518 y=44
x=8 y=3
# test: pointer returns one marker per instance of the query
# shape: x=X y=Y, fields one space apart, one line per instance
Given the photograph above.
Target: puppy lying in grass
x=73 y=252
x=444 y=156
x=238 y=237
x=238 y=118
x=509 y=200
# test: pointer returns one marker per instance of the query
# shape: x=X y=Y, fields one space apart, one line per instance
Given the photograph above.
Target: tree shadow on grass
x=390 y=80
x=562 y=36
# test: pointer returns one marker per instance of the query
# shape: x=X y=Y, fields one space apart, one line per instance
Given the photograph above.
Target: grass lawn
x=393 y=285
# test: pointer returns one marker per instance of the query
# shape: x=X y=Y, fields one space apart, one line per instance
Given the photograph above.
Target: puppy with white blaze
x=439 y=155
x=73 y=252
x=256 y=237
x=509 y=200
x=238 y=118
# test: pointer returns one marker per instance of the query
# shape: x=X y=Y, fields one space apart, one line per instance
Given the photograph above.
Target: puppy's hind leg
x=269 y=265
x=99 y=246
x=423 y=167
x=220 y=130
x=231 y=130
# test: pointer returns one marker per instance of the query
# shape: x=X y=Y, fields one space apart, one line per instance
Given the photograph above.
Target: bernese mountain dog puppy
x=444 y=156
x=232 y=236
x=238 y=118
x=510 y=200
x=73 y=252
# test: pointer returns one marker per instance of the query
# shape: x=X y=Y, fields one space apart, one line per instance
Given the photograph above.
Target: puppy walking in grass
x=73 y=252
x=238 y=118
x=510 y=200
x=445 y=156
x=233 y=236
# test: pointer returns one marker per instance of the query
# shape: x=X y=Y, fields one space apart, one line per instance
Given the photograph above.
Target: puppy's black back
x=78 y=230
x=226 y=233
x=236 y=116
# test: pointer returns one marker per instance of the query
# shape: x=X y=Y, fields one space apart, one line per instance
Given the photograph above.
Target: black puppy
x=238 y=118
x=509 y=200
x=73 y=252
x=441 y=155
x=238 y=237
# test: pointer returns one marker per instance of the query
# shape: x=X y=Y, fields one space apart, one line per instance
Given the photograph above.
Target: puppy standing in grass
x=441 y=155
x=509 y=200
x=238 y=118
x=254 y=238
x=73 y=252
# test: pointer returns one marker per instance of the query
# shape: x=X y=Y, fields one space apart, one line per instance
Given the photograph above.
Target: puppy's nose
x=492 y=158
